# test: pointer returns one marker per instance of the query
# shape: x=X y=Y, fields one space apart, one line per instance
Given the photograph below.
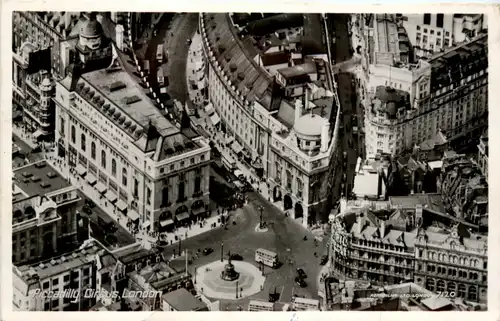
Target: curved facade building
x=286 y=121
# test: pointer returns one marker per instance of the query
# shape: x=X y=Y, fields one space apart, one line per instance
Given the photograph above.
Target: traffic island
x=242 y=280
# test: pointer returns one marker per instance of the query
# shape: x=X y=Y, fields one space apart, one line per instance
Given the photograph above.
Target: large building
x=408 y=239
x=284 y=119
x=427 y=99
x=45 y=218
x=115 y=137
x=434 y=32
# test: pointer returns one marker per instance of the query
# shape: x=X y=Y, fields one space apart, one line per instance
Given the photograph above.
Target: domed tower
x=46 y=108
x=91 y=33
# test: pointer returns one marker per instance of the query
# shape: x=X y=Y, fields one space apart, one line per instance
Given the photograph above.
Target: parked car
x=207 y=250
x=301 y=273
x=324 y=260
x=300 y=282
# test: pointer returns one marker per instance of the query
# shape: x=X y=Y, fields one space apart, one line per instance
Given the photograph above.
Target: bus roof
x=261 y=303
x=146 y=63
x=266 y=251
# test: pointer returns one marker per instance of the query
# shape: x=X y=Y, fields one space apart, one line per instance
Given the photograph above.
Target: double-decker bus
x=267 y=257
x=159 y=54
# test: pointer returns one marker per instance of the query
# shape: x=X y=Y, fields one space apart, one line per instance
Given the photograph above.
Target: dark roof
x=182 y=300
x=271 y=24
x=30 y=179
x=275 y=58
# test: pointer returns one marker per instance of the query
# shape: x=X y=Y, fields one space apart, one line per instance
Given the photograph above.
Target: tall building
x=284 y=120
x=120 y=142
x=45 y=218
x=426 y=100
x=404 y=240
x=431 y=33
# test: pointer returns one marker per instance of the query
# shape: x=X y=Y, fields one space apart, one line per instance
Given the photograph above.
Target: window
x=164 y=197
x=46 y=306
x=148 y=196
x=45 y=285
x=418 y=27
x=73 y=134
x=425 y=39
x=83 y=142
x=439 y=20
x=181 y=191
x=92 y=150
x=136 y=187
x=197 y=184
x=447 y=33
x=113 y=167
x=103 y=159
x=124 y=177
x=438 y=42
x=61 y=124
x=446 y=43
x=55 y=303
x=427 y=18
x=55 y=282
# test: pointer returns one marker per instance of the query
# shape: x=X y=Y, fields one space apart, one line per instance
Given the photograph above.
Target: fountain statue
x=229 y=274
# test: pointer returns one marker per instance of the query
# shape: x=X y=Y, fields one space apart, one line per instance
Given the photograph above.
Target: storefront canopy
x=122 y=206
x=229 y=139
x=236 y=147
x=145 y=224
x=37 y=134
x=215 y=119
x=182 y=216
x=91 y=179
x=111 y=196
x=81 y=170
x=100 y=187
x=133 y=215
x=166 y=222
x=198 y=211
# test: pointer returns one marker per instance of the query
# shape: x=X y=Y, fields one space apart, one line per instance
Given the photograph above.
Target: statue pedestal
x=229 y=273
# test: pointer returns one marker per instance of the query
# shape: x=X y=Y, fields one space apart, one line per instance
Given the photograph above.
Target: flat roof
x=182 y=300
x=366 y=183
x=299 y=70
x=130 y=98
x=32 y=177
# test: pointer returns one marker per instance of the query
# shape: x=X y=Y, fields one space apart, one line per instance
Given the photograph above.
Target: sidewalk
x=25 y=137
x=195 y=74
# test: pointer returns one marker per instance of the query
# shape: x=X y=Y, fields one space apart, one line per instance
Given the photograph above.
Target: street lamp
x=261 y=209
x=195 y=274
x=222 y=252
x=236 y=288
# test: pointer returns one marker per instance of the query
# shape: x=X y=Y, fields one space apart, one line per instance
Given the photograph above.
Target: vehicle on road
x=236 y=257
x=301 y=273
x=267 y=257
x=300 y=282
x=207 y=250
x=160 y=77
x=146 y=66
x=228 y=161
x=159 y=54
x=324 y=260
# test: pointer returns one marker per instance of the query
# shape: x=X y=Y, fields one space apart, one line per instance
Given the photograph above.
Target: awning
x=133 y=215
x=101 y=188
x=198 y=211
x=37 y=134
x=229 y=139
x=111 y=196
x=215 y=119
x=91 y=179
x=145 y=224
x=166 y=222
x=121 y=205
x=209 y=109
x=182 y=216
x=236 y=147
x=81 y=170
x=238 y=173
x=201 y=84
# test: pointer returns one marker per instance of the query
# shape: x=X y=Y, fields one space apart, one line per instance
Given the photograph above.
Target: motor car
x=324 y=260
x=301 y=273
x=207 y=250
x=236 y=257
x=300 y=282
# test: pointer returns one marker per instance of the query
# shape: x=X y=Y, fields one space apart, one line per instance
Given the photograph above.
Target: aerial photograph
x=186 y=161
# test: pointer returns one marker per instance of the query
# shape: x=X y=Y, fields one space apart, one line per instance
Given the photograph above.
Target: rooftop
x=38 y=179
x=275 y=58
x=298 y=71
x=310 y=125
x=274 y=23
x=60 y=264
x=132 y=253
x=182 y=300
x=388 y=100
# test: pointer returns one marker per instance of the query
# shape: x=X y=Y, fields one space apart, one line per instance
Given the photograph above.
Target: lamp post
x=180 y=246
x=195 y=272
x=222 y=252
x=261 y=209
x=236 y=288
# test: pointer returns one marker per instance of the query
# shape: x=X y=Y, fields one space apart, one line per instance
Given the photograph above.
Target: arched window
x=83 y=143
x=429 y=285
x=440 y=286
x=124 y=177
x=452 y=287
x=461 y=291
x=103 y=159
x=92 y=150
x=472 y=293
x=113 y=167
x=73 y=134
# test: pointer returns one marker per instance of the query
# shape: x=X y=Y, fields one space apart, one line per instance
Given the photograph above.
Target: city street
x=284 y=236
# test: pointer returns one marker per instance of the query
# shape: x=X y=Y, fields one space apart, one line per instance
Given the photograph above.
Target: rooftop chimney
x=325 y=137
x=298 y=110
x=67 y=20
x=382 y=229
x=307 y=99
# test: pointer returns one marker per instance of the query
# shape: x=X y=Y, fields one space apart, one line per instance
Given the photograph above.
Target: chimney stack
x=298 y=110
x=382 y=229
x=360 y=223
x=119 y=36
x=67 y=20
x=325 y=137
x=307 y=98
